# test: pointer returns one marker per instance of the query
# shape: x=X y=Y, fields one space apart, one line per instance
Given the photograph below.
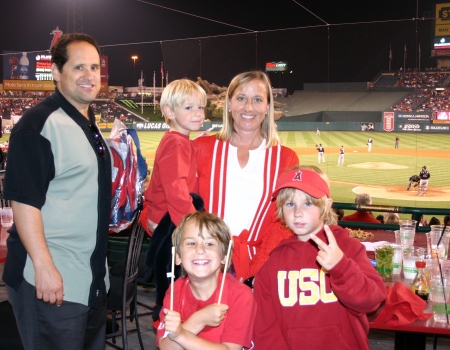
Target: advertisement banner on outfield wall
x=438 y=128
x=410 y=127
x=412 y=117
x=160 y=126
x=388 y=121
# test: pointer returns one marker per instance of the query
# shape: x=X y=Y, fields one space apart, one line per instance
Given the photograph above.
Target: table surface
x=427 y=326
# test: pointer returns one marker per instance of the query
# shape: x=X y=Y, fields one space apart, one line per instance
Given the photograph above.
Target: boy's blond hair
x=177 y=92
x=204 y=221
x=327 y=214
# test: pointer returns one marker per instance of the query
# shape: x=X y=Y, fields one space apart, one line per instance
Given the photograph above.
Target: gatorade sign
x=388 y=121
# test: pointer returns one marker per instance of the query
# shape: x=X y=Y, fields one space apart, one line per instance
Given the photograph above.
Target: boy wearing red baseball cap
x=316 y=287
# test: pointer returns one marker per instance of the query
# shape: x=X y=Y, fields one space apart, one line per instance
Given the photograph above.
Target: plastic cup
x=440 y=294
x=407 y=232
x=7 y=217
x=410 y=256
x=435 y=237
x=384 y=255
x=397 y=259
x=397 y=237
x=433 y=273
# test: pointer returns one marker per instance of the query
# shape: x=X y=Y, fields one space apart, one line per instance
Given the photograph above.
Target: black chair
x=123 y=289
x=9 y=333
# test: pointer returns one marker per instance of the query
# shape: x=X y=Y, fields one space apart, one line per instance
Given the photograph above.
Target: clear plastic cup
x=407 y=232
x=397 y=260
x=410 y=256
x=384 y=255
x=437 y=236
x=397 y=237
x=6 y=217
x=440 y=294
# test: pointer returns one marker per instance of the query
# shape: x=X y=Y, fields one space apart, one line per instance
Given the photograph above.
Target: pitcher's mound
x=377 y=165
x=434 y=193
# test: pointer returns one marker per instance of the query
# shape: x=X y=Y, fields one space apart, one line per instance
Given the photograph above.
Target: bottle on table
x=420 y=283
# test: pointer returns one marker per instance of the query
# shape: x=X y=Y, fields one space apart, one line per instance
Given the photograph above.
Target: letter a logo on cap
x=297 y=176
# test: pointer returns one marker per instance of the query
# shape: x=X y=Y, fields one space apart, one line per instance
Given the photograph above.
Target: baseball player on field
x=341 y=156
x=413 y=180
x=320 y=155
x=369 y=144
x=424 y=176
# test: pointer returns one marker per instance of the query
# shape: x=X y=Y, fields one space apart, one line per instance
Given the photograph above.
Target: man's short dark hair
x=59 y=50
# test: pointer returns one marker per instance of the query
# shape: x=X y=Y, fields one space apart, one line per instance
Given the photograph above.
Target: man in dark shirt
x=413 y=180
x=59 y=184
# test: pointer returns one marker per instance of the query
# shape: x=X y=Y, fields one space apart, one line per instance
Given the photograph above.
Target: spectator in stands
x=362 y=216
x=434 y=221
x=446 y=220
x=339 y=213
x=380 y=218
x=422 y=222
x=391 y=219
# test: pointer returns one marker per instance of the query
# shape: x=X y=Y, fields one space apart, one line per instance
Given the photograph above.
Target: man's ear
x=177 y=259
x=55 y=72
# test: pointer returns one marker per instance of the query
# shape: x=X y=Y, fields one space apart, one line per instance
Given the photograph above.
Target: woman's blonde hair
x=177 y=92
x=210 y=223
x=327 y=214
x=268 y=126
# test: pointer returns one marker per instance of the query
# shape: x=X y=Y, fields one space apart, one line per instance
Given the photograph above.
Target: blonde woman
x=239 y=167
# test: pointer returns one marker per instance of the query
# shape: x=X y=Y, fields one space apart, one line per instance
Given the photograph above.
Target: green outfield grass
x=384 y=166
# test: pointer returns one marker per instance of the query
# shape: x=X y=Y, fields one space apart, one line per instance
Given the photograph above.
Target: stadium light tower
x=74 y=17
x=134 y=58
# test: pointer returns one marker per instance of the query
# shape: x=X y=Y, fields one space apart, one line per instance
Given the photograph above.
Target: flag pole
x=141 y=87
x=154 y=90
x=419 y=56
x=162 y=75
x=404 y=61
x=390 y=57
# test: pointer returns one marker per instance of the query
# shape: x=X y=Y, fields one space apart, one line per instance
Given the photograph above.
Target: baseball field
x=383 y=172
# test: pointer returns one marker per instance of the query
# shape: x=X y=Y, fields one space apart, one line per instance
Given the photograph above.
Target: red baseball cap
x=305 y=180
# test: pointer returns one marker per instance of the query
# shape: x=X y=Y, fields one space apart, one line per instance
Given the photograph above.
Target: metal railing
x=416 y=214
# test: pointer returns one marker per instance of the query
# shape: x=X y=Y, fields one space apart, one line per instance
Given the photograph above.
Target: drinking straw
x=442 y=233
x=443 y=286
x=171 y=278
x=429 y=246
x=225 y=271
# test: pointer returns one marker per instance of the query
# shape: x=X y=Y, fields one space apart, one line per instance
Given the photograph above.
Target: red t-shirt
x=237 y=327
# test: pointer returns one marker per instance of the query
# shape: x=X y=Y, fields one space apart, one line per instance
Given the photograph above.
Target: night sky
x=148 y=29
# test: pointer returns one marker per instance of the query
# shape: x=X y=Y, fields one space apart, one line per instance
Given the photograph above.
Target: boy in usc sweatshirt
x=316 y=287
